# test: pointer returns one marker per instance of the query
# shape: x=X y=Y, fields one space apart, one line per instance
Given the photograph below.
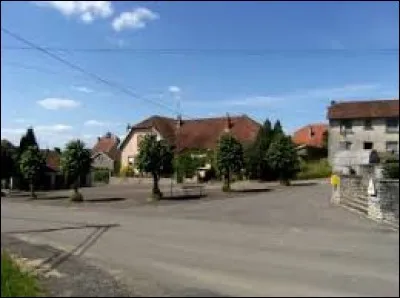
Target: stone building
x=363 y=125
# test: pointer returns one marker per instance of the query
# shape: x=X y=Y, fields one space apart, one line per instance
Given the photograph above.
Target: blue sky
x=308 y=54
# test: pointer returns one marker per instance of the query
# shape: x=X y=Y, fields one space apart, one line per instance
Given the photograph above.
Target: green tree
x=278 y=130
x=30 y=165
x=155 y=157
x=256 y=164
x=229 y=157
x=8 y=160
x=76 y=163
x=27 y=140
x=282 y=158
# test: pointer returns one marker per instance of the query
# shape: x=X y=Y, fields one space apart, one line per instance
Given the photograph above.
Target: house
x=363 y=125
x=182 y=134
x=311 y=141
x=105 y=153
x=53 y=177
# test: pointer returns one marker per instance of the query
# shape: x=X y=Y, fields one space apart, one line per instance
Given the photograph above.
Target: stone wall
x=382 y=206
x=388 y=196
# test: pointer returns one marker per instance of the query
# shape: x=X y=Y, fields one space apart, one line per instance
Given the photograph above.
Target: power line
x=241 y=52
x=82 y=70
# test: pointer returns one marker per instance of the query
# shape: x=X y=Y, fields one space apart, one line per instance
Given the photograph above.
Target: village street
x=287 y=241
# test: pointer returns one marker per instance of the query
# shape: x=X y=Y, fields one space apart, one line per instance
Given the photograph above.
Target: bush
x=76 y=197
x=314 y=169
x=127 y=171
x=391 y=170
x=101 y=175
x=15 y=282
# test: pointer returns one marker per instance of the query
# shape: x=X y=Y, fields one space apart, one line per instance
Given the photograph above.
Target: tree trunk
x=227 y=182
x=32 y=190
x=156 y=193
x=76 y=196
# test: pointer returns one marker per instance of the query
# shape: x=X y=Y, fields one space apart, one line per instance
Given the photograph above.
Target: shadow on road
x=58 y=258
x=251 y=190
x=104 y=200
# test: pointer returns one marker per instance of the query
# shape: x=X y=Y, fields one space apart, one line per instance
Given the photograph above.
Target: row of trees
x=27 y=162
x=271 y=156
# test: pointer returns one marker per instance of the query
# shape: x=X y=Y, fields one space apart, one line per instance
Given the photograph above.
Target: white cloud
x=174 y=89
x=58 y=103
x=50 y=129
x=87 y=11
x=83 y=89
x=95 y=123
x=23 y=120
x=135 y=19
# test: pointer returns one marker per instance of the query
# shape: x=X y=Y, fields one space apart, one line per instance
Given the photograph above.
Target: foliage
x=101 y=175
x=229 y=157
x=127 y=171
x=391 y=170
x=14 y=281
x=186 y=165
x=314 y=169
x=256 y=165
x=155 y=157
x=27 y=140
x=30 y=165
x=278 y=131
x=282 y=158
x=8 y=160
x=75 y=163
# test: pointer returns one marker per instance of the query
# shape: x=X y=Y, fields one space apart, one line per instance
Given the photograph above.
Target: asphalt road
x=284 y=242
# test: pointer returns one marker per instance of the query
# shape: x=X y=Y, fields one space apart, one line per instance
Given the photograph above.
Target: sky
x=275 y=60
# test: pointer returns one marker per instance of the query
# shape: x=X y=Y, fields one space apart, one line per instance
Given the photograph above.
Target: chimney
x=128 y=127
x=98 y=139
x=311 y=131
x=179 y=121
x=228 y=124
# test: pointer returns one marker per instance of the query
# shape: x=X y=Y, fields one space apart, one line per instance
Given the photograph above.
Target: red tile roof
x=364 y=109
x=303 y=135
x=52 y=159
x=109 y=146
x=202 y=133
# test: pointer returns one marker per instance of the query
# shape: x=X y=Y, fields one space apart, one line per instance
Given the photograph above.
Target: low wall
x=383 y=205
x=137 y=180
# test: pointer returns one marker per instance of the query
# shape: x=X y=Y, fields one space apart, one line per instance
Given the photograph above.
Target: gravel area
x=72 y=278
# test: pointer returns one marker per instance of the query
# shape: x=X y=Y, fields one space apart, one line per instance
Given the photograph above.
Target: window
x=368 y=145
x=346 y=126
x=392 y=125
x=345 y=145
x=131 y=160
x=392 y=146
x=368 y=124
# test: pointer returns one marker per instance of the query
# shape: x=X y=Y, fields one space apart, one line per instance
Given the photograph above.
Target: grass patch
x=314 y=169
x=14 y=281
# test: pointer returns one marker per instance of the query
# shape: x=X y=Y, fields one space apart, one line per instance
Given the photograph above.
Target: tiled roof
x=364 y=109
x=52 y=159
x=202 y=133
x=109 y=146
x=310 y=135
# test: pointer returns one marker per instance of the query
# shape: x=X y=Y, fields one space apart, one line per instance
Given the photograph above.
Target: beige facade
x=380 y=134
x=131 y=148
